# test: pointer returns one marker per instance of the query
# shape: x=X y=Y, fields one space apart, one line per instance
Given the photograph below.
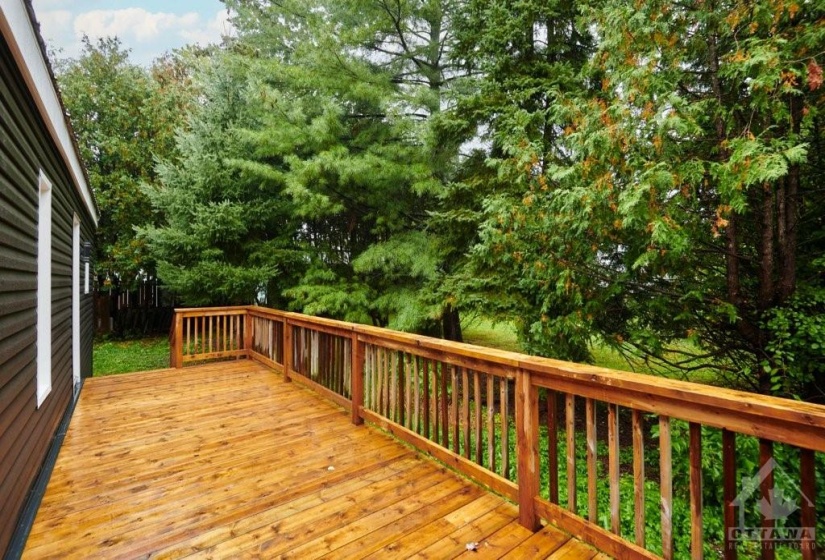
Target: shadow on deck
x=229 y=460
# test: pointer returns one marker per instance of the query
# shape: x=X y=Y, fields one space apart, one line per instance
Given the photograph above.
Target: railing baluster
x=409 y=391
x=393 y=412
x=592 y=497
x=341 y=360
x=387 y=369
x=465 y=410
x=552 y=447
x=807 y=487
x=376 y=377
x=402 y=394
x=454 y=406
x=639 y=477
x=696 y=538
x=439 y=396
x=417 y=403
x=666 y=486
x=379 y=380
x=445 y=411
x=288 y=350
x=613 y=466
x=357 y=379
x=247 y=336
x=477 y=414
x=426 y=403
x=372 y=380
x=491 y=424
x=401 y=387
x=729 y=492
x=766 y=486
x=570 y=417
x=505 y=428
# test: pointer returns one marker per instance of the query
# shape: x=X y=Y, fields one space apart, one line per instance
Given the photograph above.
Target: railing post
x=247 y=333
x=176 y=346
x=357 y=379
x=527 y=445
x=287 y=349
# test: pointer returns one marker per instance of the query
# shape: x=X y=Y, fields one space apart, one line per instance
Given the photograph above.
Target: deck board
x=228 y=460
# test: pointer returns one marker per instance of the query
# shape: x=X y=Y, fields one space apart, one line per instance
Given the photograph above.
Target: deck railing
x=505 y=418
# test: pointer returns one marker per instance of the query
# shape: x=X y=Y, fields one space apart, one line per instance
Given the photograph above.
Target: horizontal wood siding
x=25 y=431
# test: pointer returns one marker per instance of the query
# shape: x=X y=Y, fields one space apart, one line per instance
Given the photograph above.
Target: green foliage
x=124 y=117
x=663 y=189
x=226 y=234
x=796 y=350
x=112 y=357
x=347 y=102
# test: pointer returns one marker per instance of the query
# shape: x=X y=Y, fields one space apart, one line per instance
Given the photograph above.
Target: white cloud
x=219 y=26
x=134 y=23
x=56 y=27
x=148 y=34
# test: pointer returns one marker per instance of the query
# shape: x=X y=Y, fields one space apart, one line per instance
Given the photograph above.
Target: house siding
x=26 y=149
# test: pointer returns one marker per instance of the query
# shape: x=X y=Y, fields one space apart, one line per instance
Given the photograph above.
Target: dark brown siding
x=25 y=432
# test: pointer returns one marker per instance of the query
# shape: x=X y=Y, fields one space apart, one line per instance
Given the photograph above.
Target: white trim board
x=44 y=288
x=75 y=300
x=17 y=28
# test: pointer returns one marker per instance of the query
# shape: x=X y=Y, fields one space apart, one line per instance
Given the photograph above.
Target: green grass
x=124 y=356
x=484 y=332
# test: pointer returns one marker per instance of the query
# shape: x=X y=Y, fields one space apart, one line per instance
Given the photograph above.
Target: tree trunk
x=789 y=215
x=767 y=259
x=451 y=324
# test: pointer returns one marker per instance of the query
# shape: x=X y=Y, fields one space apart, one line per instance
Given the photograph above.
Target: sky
x=147 y=27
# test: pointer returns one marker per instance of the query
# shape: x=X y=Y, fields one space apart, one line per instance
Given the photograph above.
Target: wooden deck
x=228 y=460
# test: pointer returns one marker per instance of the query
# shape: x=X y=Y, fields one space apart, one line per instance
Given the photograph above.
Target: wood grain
x=666 y=486
x=245 y=464
x=570 y=420
x=639 y=478
x=592 y=475
x=613 y=466
x=695 y=460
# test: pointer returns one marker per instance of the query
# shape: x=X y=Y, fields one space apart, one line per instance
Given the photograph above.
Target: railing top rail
x=776 y=418
x=205 y=311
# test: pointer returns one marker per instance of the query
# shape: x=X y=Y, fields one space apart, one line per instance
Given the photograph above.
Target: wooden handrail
x=453 y=400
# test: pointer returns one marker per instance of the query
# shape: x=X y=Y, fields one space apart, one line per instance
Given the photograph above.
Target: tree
x=527 y=55
x=124 y=117
x=227 y=233
x=370 y=77
x=688 y=206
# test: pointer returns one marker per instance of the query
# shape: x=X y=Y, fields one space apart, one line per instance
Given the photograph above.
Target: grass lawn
x=124 y=356
x=483 y=332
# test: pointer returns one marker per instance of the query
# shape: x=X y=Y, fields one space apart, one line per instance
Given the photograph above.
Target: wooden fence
x=462 y=404
x=147 y=309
